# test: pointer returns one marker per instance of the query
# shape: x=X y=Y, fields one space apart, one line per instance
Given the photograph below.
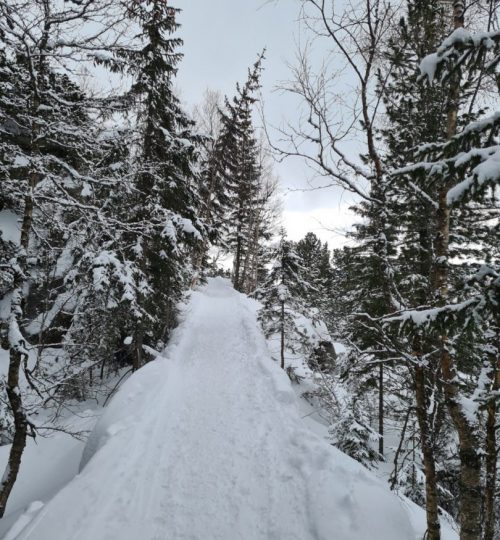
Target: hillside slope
x=207 y=443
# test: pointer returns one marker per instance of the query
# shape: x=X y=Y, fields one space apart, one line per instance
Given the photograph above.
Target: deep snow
x=48 y=464
x=207 y=443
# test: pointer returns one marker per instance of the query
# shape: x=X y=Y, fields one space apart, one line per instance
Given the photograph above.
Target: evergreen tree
x=238 y=173
x=162 y=211
x=107 y=211
x=282 y=295
x=319 y=273
x=309 y=249
x=352 y=434
x=416 y=115
x=46 y=146
x=463 y=168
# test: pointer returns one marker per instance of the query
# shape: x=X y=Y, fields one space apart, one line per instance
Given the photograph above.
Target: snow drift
x=207 y=443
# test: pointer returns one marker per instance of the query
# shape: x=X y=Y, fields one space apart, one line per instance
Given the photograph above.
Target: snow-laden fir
x=207 y=442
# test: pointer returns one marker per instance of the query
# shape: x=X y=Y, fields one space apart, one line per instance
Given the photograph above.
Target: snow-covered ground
x=10 y=228
x=207 y=442
x=48 y=464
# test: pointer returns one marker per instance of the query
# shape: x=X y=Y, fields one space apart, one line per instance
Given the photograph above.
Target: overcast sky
x=221 y=40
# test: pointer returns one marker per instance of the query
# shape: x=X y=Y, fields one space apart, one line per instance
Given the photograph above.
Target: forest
x=118 y=204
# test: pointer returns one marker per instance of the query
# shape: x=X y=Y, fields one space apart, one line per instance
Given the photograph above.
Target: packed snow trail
x=206 y=443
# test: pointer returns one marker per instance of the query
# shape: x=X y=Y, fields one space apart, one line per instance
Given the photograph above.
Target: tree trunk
x=16 y=404
x=491 y=456
x=237 y=261
x=381 y=409
x=424 y=385
x=199 y=255
x=431 y=493
x=244 y=273
x=16 y=352
x=250 y=273
x=470 y=462
x=282 y=345
x=402 y=438
x=20 y=435
x=139 y=342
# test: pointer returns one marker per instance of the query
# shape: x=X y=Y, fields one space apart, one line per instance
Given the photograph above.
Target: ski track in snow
x=206 y=443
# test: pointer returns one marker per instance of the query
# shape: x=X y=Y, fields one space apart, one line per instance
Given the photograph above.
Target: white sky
x=221 y=40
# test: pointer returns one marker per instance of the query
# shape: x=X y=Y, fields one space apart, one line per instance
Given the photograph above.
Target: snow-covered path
x=207 y=444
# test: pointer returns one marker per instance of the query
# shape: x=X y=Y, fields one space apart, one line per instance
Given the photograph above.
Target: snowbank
x=10 y=228
x=48 y=464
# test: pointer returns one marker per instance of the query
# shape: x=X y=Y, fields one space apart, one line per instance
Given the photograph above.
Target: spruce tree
x=107 y=219
x=319 y=274
x=416 y=115
x=283 y=297
x=464 y=295
x=237 y=172
x=162 y=211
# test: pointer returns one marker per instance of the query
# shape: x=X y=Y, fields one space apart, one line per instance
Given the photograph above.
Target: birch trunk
x=16 y=353
x=470 y=463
